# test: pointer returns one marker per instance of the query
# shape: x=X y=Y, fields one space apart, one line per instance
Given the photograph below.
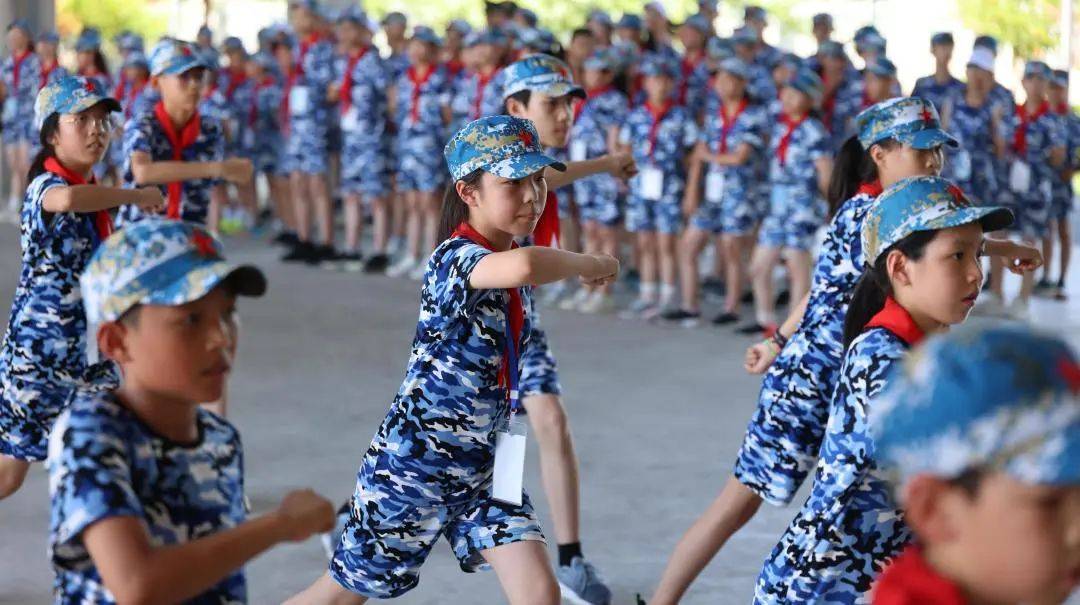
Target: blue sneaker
x=581 y=584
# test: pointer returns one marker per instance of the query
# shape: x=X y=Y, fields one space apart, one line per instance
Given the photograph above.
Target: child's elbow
x=136 y=589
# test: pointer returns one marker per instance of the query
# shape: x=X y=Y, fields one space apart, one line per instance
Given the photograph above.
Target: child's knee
x=12 y=474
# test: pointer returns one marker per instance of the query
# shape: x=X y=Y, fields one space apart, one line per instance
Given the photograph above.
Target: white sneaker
x=1020 y=310
x=989 y=305
x=574 y=302
x=552 y=294
x=597 y=303
x=419 y=272
x=638 y=309
x=402 y=267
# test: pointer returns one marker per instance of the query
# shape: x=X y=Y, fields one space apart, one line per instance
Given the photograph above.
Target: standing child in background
x=147 y=488
x=395 y=29
x=361 y=93
x=980 y=430
x=421 y=108
x=840 y=93
x=941 y=85
x=595 y=134
x=312 y=71
x=282 y=52
x=173 y=146
x=47 y=49
x=922 y=242
x=729 y=151
x=798 y=175
x=45 y=355
x=879 y=83
x=478 y=94
x=660 y=134
x=263 y=145
x=237 y=88
x=212 y=106
x=971 y=117
x=1037 y=153
x=430 y=470
x=20 y=76
x=1062 y=191
x=136 y=98
x=693 y=84
x=91 y=63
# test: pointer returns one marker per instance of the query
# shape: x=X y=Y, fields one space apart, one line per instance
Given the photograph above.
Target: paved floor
x=657 y=416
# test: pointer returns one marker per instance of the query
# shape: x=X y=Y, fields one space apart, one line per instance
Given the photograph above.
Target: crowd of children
x=483 y=168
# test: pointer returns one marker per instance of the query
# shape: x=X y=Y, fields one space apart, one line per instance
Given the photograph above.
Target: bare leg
x=609 y=244
x=380 y=215
x=729 y=512
x=798 y=263
x=218 y=200
x=431 y=207
x=761 y=268
x=1048 y=252
x=282 y=201
x=690 y=246
x=320 y=196
x=558 y=463
x=414 y=222
x=647 y=263
x=301 y=206
x=325 y=591
x=354 y=221
x=1065 y=234
x=12 y=474
x=524 y=572
x=733 y=246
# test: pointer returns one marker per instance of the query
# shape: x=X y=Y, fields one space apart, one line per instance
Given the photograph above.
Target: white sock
x=667 y=294
x=647 y=291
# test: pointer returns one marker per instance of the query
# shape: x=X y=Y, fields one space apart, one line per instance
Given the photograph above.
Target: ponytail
x=48 y=128
x=874 y=285
x=852 y=167
x=100 y=64
x=454 y=211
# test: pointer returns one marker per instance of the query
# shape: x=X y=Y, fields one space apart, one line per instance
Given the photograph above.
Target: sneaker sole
x=570 y=596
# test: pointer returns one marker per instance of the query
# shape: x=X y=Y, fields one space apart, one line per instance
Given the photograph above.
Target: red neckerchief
x=454 y=67
x=897 y=320
x=46 y=72
x=18 y=59
x=548 y=231
x=726 y=123
x=590 y=94
x=688 y=65
x=102 y=221
x=866 y=102
x=418 y=81
x=347 y=81
x=516 y=312
x=118 y=93
x=782 y=147
x=179 y=141
x=253 y=112
x=1061 y=109
x=136 y=88
x=482 y=81
x=236 y=79
x=909 y=580
x=658 y=114
x=1020 y=138
x=210 y=91
x=872 y=189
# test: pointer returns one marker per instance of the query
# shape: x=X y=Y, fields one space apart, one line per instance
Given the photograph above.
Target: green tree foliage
x=111 y=17
x=1031 y=27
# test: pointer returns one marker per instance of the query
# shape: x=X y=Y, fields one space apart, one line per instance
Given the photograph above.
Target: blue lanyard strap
x=511 y=361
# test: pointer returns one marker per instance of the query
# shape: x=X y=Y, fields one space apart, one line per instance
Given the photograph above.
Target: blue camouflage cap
x=736 y=67
x=822 y=19
x=924 y=203
x=137 y=59
x=132 y=42
x=22 y=24
x=210 y=58
x=626 y=53
x=395 y=18
x=233 y=43
x=882 y=67
x=913 y=121
x=505 y=146
x=942 y=39
x=265 y=60
x=986 y=397
x=807 y=82
x=864 y=31
x=460 y=26
x=204 y=32
x=744 y=35
x=602 y=59
x=872 y=41
x=70 y=95
x=988 y=42
x=530 y=17
x=631 y=21
x=699 y=22
x=173 y=57
x=540 y=73
x=832 y=48
x=89 y=40
x=49 y=37
x=719 y=49
x=483 y=36
x=1037 y=69
x=159 y=261
x=602 y=16
x=755 y=13
x=424 y=33
x=790 y=60
x=311 y=5
x=655 y=64
x=1060 y=78
x=352 y=14
x=537 y=40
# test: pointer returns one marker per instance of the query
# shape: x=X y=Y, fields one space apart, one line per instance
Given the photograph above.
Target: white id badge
x=714 y=186
x=9 y=109
x=578 y=150
x=299 y=100
x=508 y=480
x=350 y=122
x=1020 y=176
x=652 y=183
x=249 y=138
x=962 y=165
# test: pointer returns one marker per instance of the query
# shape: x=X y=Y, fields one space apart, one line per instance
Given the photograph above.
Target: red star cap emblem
x=956 y=193
x=89 y=86
x=927 y=116
x=204 y=244
x=184 y=50
x=1070 y=372
x=526 y=138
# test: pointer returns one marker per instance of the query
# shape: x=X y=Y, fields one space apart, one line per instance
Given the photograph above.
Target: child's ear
x=896 y=265
x=515 y=108
x=154 y=83
x=932 y=508
x=877 y=154
x=466 y=192
x=112 y=341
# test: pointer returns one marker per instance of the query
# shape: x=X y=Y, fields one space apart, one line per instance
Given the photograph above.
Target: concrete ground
x=657 y=416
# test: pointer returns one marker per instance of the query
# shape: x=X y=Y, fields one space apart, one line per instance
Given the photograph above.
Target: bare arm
x=794 y=318
x=137 y=572
x=148 y=172
x=824 y=170
x=692 y=194
x=92 y=198
x=738 y=157
x=534 y=265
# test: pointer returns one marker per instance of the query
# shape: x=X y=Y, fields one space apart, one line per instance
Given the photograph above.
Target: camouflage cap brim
x=523 y=165
x=931 y=138
x=192 y=285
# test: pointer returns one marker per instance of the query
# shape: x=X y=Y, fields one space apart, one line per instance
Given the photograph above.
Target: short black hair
x=521 y=96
